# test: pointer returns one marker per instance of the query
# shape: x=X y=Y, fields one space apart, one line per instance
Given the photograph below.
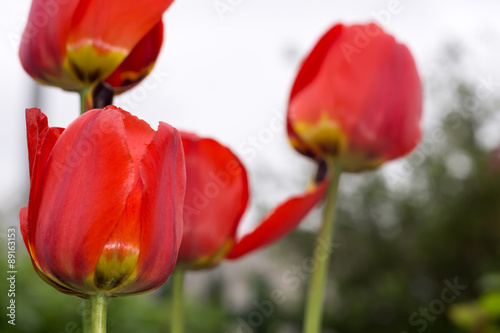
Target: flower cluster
x=115 y=204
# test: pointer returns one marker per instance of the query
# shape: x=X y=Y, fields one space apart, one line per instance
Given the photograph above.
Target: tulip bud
x=105 y=204
x=214 y=178
x=216 y=199
x=77 y=44
x=357 y=99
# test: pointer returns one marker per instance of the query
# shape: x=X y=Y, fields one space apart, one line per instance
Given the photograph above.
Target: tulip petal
x=321 y=82
x=138 y=63
x=312 y=64
x=43 y=44
x=36 y=127
x=23 y=219
x=162 y=172
x=279 y=222
x=404 y=110
x=43 y=152
x=119 y=256
x=113 y=24
x=138 y=134
x=216 y=198
x=90 y=166
x=39 y=142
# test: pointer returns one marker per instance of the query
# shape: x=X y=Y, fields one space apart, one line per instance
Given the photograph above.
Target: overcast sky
x=227 y=74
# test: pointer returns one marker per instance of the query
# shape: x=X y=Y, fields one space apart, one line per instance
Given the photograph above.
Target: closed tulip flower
x=355 y=103
x=216 y=198
x=357 y=99
x=105 y=205
x=77 y=44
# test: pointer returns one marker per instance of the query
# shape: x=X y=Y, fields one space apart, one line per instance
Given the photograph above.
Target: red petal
x=23 y=219
x=312 y=64
x=43 y=44
x=385 y=108
x=138 y=134
x=115 y=25
x=41 y=139
x=341 y=83
x=81 y=196
x=44 y=149
x=118 y=260
x=400 y=130
x=279 y=222
x=216 y=197
x=163 y=178
x=36 y=127
x=139 y=62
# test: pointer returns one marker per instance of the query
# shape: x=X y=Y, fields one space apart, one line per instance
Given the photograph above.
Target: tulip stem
x=99 y=307
x=322 y=251
x=83 y=100
x=178 y=290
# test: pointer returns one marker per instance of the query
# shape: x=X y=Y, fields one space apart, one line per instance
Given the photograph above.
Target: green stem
x=99 y=307
x=324 y=238
x=178 y=288
x=87 y=316
x=83 y=100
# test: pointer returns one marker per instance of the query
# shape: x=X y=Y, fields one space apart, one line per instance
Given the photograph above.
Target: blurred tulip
x=216 y=198
x=76 y=44
x=105 y=204
x=357 y=99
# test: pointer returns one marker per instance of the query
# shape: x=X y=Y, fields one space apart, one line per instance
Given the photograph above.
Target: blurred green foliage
x=417 y=249
x=481 y=315
x=42 y=309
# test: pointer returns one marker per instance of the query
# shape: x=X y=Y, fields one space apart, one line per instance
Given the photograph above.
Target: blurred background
x=417 y=241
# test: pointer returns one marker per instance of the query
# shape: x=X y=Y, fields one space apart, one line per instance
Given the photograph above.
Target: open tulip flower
x=78 y=44
x=216 y=198
x=105 y=204
x=357 y=99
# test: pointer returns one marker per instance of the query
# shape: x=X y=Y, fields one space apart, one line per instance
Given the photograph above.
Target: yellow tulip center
x=88 y=64
x=213 y=260
x=325 y=137
x=116 y=267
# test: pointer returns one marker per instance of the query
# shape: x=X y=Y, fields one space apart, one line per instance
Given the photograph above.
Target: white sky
x=229 y=78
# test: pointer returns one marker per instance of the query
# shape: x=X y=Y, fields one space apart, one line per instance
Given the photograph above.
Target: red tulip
x=216 y=198
x=105 y=204
x=75 y=44
x=357 y=99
